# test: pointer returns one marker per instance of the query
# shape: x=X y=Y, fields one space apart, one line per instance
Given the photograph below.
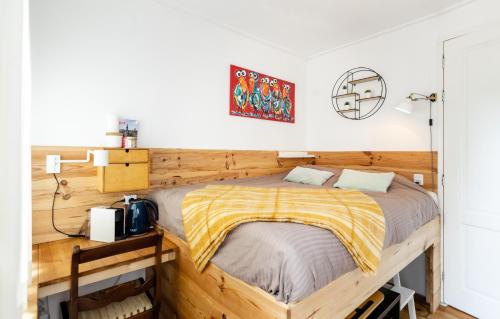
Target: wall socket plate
x=53 y=164
x=127 y=198
x=418 y=179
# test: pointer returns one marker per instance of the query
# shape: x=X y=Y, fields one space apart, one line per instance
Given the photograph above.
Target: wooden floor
x=443 y=312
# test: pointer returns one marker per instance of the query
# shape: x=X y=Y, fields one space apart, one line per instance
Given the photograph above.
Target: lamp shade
x=406 y=106
x=101 y=158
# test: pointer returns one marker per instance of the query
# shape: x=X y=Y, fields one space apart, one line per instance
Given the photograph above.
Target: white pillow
x=374 y=182
x=308 y=176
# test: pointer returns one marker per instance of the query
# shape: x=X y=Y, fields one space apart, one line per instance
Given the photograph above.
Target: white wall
x=15 y=237
x=408 y=59
x=140 y=59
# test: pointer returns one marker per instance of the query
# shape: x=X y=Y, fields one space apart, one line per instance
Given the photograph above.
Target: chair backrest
x=123 y=291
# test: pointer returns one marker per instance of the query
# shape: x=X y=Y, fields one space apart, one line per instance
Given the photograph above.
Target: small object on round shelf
x=347 y=106
x=351 y=90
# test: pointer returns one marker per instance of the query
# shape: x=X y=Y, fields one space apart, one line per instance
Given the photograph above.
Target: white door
x=472 y=173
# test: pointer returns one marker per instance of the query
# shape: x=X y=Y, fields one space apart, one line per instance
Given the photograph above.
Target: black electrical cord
x=118 y=201
x=53 y=205
x=431 y=146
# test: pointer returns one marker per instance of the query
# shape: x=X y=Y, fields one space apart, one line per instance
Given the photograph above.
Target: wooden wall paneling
x=193 y=160
x=405 y=163
x=401 y=159
x=394 y=159
x=173 y=167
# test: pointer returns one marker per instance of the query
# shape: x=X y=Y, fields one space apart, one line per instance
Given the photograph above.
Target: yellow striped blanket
x=210 y=213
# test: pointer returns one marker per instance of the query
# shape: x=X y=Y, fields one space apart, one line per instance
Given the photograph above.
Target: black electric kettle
x=142 y=215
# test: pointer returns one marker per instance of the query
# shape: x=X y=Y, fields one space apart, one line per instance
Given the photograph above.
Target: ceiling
x=310 y=27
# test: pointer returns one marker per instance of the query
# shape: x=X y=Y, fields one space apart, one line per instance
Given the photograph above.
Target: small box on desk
x=106 y=224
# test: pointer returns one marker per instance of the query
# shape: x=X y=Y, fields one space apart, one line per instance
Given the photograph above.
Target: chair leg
x=411 y=308
x=396 y=281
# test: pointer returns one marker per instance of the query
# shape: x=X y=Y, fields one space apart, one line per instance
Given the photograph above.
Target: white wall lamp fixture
x=53 y=162
x=406 y=106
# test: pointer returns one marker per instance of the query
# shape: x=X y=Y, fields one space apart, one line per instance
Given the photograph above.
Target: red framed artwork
x=260 y=96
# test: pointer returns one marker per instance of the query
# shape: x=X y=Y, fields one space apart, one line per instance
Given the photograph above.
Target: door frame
x=440 y=104
x=441 y=61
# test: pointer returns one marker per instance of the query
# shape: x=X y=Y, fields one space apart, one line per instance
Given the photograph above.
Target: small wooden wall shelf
x=294 y=154
x=343 y=96
x=347 y=111
x=373 y=98
x=364 y=80
x=128 y=170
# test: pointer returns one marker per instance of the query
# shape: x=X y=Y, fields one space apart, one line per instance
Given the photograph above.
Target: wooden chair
x=132 y=297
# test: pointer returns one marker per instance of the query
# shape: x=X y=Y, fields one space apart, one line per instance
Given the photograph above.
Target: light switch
x=418 y=179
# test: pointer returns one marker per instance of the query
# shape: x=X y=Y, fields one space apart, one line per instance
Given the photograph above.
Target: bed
x=285 y=270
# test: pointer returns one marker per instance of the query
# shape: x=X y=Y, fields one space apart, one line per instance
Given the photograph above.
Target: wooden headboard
x=172 y=167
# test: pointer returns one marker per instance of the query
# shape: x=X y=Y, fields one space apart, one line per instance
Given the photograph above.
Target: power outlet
x=127 y=198
x=418 y=179
x=53 y=164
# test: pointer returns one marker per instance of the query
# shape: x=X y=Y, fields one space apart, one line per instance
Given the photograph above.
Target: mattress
x=291 y=261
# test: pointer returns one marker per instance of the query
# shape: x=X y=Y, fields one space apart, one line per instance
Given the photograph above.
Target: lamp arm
x=418 y=97
x=79 y=161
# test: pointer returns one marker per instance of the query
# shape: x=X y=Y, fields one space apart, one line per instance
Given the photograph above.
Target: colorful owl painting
x=286 y=103
x=257 y=95
x=265 y=93
x=276 y=98
x=240 y=92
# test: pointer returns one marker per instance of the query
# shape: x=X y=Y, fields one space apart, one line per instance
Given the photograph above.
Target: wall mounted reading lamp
x=53 y=166
x=406 y=106
x=53 y=163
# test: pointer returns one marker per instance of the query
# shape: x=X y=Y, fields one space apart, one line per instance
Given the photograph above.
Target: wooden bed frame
x=216 y=294
x=213 y=293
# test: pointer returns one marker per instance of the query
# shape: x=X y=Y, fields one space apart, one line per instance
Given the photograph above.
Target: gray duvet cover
x=290 y=261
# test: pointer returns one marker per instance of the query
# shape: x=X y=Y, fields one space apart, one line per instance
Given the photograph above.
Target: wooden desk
x=54 y=264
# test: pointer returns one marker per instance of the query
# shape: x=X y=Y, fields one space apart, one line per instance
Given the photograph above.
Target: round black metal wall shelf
x=359 y=93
